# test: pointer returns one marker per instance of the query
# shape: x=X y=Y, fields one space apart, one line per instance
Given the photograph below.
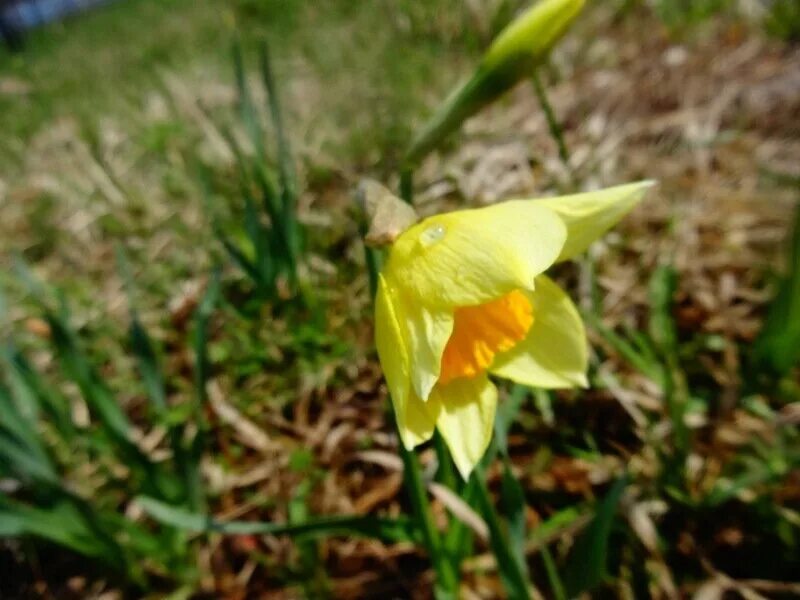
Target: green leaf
x=246 y=107
x=141 y=344
x=556 y=522
x=238 y=257
x=63 y=522
x=14 y=419
x=643 y=362
x=26 y=402
x=11 y=525
x=506 y=413
x=777 y=348
x=30 y=390
x=552 y=527
x=664 y=334
x=28 y=461
x=512 y=496
x=663 y=331
x=147 y=361
x=512 y=502
x=587 y=562
x=556 y=585
x=512 y=571
x=202 y=317
x=285 y=169
x=76 y=366
x=390 y=530
x=189 y=461
x=259 y=238
x=103 y=406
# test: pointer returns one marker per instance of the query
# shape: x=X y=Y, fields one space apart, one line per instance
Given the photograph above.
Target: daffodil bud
x=516 y=51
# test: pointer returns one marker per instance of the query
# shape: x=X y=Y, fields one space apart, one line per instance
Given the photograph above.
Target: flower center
x=480 y=332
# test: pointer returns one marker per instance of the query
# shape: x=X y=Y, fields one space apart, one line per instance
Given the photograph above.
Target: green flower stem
x=586 y=264
x=373 y=261
x=511 y=572
x=447 y=577
x=407 y=185
x=552 y=123
x=446 y=573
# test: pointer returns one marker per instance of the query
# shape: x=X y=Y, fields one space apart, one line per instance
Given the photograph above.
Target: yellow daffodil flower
x=462 y=296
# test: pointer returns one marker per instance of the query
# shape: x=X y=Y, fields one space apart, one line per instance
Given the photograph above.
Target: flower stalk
x=516 y=52
x=556 y=132
x=386 y=216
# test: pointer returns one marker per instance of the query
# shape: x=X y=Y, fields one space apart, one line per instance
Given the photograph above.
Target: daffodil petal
x=425 y=331
x=554 y=354
x=417 y=424
x=413 y=420
x=473 y=256
x=588 y=216
x=465 y=410
x=428 y=332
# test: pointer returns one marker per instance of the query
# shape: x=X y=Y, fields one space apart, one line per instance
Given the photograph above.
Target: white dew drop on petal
x=432 y=234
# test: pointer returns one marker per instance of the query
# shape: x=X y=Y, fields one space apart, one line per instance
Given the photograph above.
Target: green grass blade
x=64 y=523
x=76 y=367
x=543 y=401
x=391 y=530
x=103 y=406
x=512 y=496
x=512 y=503
x=190 y=467
x=512 y=572
x=148 y=364
x=446 y=575
x=285 y=168
x=236 y=254
x=506 y=414
x=313 y=580
x=11 y=524
x=238 y=257
x=270 y=196
x=642 y=363
x=17 y=419
x=152 y=376
x=26 y=461
x=777 y=348
x=587 y=563
x=663 y=332
x=141 y=344
x=30 y=389
x=247 y=109
x=202 y=317
x=287 y=222
x=260 y=239
x=556 y=585
x=101 y=402
x=457 y=541
x=26 y=402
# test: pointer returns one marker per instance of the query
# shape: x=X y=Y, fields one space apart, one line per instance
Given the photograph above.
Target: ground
x=108 y=118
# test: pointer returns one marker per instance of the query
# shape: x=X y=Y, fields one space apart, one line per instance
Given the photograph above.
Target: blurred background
x=186 y=323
